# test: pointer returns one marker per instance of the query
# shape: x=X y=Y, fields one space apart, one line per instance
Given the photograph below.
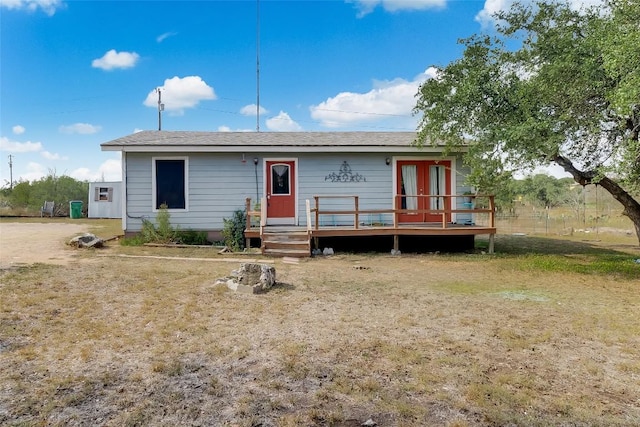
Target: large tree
x=552 y=84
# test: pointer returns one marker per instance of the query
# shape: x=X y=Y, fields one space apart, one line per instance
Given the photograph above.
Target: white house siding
x=375 y=190
x=372 y=184
x=219 y=183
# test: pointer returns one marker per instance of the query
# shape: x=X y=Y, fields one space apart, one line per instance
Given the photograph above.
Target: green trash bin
x=75 y=209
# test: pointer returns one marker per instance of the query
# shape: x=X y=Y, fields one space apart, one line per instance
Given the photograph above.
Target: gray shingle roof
x=188 y=139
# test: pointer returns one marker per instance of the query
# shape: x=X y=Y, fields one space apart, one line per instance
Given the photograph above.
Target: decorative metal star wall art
x=345 y=175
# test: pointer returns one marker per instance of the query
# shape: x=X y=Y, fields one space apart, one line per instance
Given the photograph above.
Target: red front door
x=417 y=179
x=281 y=196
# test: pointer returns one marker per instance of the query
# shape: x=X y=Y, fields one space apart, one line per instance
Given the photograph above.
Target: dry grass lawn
x=544 y=333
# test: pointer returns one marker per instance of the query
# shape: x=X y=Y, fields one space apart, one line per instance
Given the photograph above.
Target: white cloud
x=84 y=174
x=136 y=130
x=163 y=37
x=53 y=156
x=19 y=147
x=180 y=93
x=224 y=128
x=80 y=128
x=47 y=6
x=485 y=16
x=110 y=170
x=18 y=130
x=250 y=110
x=367 y=6
x=393 y=99
x=113 y=59
x=34 y=172
x=283 y=123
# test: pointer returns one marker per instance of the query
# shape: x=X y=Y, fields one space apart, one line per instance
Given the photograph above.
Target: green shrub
x=162 y=233
x=192 y=237
x=233 y=231
x=136 y=240
x=165 y=232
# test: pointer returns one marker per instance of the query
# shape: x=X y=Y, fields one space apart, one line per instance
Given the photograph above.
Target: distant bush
x=27 y=197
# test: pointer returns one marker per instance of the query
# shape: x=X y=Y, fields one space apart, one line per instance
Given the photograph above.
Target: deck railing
x=472 y=204
x=256 y=215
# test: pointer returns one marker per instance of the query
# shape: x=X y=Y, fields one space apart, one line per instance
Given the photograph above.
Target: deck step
x=281 y=237
x=286 y=244
x=292 y=253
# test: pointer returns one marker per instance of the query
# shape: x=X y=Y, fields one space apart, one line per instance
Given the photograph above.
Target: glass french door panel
x=409 y=187
x=436 y=186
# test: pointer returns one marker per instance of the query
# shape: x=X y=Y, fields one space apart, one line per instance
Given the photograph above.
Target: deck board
x=426 y=229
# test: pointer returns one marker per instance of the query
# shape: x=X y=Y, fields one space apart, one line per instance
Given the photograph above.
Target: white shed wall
x=105 y=204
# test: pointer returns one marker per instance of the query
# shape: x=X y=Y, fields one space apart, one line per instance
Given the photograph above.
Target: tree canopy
x=551 y=84
x=30 y=196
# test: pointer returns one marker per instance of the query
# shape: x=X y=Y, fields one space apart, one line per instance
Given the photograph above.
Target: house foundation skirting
x=399 y=236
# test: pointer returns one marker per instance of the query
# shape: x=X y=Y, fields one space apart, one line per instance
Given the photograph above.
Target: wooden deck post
x=357 y=218
x=395 y=212
x=491 y=242
x=248 y=224
x=492 y=214
x=317 y=201
x=396 y=243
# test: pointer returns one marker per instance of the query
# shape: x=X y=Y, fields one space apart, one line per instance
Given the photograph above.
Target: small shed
x=105 y=200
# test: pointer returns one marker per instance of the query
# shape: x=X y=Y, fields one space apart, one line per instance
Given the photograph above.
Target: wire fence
x=558 y=221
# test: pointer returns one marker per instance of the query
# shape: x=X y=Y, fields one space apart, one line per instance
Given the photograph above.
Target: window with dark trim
x=103 y=194
x=170 y=183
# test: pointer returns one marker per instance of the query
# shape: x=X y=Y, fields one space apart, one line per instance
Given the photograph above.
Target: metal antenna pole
x=160 y=108
x=10 y=171
x=257 y=65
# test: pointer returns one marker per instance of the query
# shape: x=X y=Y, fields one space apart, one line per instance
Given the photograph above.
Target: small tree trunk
x=631 y=205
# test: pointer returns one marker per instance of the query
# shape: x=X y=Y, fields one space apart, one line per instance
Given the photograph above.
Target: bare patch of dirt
x=29 y=243
x=415 y=340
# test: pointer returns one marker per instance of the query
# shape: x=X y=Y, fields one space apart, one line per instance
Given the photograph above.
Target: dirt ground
x=543 y=333
x=29 y=243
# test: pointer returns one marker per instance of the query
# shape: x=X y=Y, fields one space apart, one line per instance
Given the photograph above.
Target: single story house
x=309 y=180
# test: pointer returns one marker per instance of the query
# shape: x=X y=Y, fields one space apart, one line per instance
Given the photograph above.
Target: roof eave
x=270 y=149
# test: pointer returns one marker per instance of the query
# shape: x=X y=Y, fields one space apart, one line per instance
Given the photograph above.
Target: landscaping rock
x=251 y=278
x=86 y=240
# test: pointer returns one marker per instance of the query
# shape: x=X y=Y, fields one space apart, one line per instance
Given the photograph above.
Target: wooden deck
x=296 y=241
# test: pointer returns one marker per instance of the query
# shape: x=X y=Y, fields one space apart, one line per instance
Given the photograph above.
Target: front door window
x=280 y=179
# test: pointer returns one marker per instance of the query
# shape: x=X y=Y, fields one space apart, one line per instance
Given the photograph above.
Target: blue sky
x=75 y=74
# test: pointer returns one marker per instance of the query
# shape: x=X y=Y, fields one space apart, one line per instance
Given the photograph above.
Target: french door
x=421 y=185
